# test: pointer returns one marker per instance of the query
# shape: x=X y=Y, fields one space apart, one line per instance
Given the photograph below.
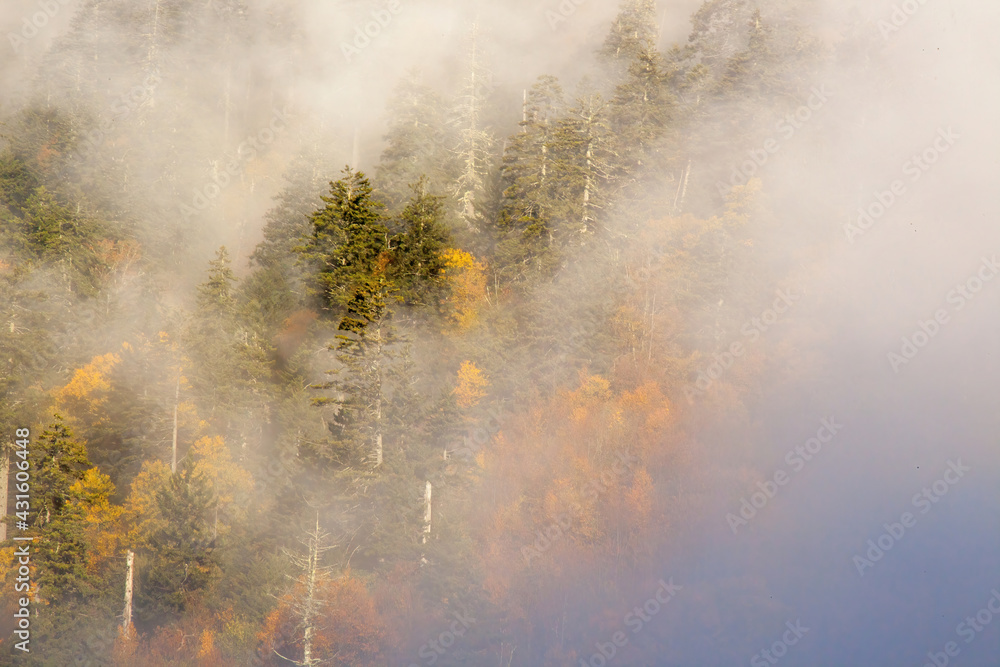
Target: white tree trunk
x=127 y=614
x=307 y=617
x=378 y=397
x=682 y=189
x=427 y=511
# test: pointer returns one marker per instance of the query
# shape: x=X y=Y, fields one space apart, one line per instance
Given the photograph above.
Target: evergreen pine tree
x=474 y=149
x=525 y=226
x=58 y=461
x=584 y=164
x=418 y=265
x=640 y=110
x=634 y=30
x=416 y=143
x=216 y=294
x=183 y=558
x=348 y=240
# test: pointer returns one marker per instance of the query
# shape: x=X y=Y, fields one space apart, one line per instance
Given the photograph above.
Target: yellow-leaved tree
x=466 y=277
x=471 y=386
x=84 y=399
x=102 y=519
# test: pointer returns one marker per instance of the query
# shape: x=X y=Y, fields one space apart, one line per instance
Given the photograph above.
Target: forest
x=305 y=374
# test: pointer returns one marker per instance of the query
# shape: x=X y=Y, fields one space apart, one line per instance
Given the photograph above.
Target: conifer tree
x=527 y=160
x=474 y=150
x=641 y=109
x=634 y=30
x=584 y=166
x=347 y=241
x=183 y=558
x=216 y=294
x=350 y=248
x=229 y=360
x=59 y=461
x=417 y=143
x=364 y=350
x=525 y=225
x=418 y=264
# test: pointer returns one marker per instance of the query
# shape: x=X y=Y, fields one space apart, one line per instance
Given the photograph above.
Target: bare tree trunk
x=307 y=609
x=307 y=617
x=127 y=614
x=378 y=397
x=473 y=143
x=427 y=511
x=587 y=186
x=682 y=189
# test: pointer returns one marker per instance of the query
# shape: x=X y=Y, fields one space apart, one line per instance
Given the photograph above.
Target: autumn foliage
x=347 y=628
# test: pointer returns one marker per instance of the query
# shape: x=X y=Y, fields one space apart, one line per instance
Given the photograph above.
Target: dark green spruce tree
x=183 y=560
x=417 y=143
x=349 y=251
x=418 y=266
x=584 y=168
x=634 y=30
x=525 y=226
x=640 y=111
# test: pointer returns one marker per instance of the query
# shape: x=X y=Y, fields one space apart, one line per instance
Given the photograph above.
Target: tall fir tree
x=418 y=264
x=417 y=143
x=182 y=560
x=475 y=141
x=525 y=226
x=584 y=167
x=59 y=461
x=634 y=30
x=640 y=110
x=347 y=241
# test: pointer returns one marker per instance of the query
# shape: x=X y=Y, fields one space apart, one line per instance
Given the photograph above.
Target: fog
x=909 y=413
